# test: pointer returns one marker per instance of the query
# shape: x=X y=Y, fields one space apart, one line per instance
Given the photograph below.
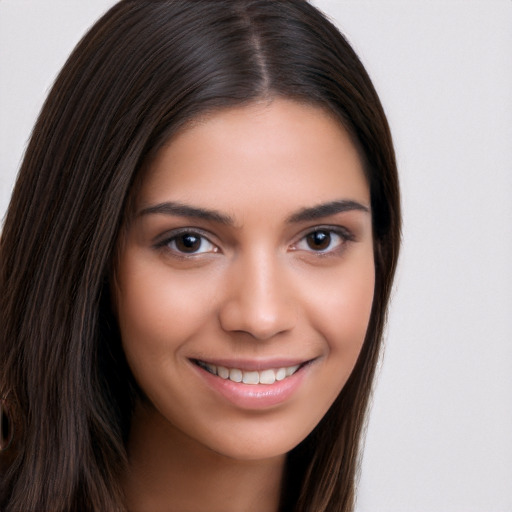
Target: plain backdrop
x=440 y=432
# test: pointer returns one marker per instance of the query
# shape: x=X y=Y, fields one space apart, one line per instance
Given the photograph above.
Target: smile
x=268 y=376
x=254 y=385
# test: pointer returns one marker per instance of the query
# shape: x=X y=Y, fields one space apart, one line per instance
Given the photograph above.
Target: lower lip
x=255 y=396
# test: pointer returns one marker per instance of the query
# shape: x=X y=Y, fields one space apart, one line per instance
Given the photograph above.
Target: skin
x=251 y=291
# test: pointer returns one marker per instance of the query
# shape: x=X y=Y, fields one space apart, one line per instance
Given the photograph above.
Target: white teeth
x=235 y=375
x=223 y=372
x=267 y=377
x=281 y=374
x=291 y=370
x=250 y=377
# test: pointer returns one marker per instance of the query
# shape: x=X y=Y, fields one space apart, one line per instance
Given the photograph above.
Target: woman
x=195 y=266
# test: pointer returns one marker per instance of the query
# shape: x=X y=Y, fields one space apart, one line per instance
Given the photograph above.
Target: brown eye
x=188 y=242
x=319 y=240
x=324 y=241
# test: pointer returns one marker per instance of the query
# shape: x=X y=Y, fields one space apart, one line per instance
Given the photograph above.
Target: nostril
x=258 y=298
x=259 y=323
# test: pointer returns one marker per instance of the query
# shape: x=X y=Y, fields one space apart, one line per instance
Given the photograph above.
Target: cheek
x=351 y=309
x=343 y=305
x=342 y=316
x=158 y=310
x=339 y=313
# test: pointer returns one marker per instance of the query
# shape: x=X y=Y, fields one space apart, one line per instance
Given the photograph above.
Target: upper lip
x=254 y=364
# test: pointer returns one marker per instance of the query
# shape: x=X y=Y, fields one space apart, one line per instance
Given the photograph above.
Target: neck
x=171 y=472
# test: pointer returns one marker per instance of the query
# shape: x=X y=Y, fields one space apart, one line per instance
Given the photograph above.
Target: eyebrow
x=183 y=210
x=305 y=214
x=326 y=209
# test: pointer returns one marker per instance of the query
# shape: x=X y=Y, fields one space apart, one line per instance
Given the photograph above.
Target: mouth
x=267 y=376
x=254 y=385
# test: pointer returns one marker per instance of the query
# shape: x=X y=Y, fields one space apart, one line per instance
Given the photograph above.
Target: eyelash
x=192 y=233
x=343 y=234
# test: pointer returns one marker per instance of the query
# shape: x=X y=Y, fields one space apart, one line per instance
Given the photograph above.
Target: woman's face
x=246 y=279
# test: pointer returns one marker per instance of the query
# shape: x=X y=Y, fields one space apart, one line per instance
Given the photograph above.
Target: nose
x=259 y=298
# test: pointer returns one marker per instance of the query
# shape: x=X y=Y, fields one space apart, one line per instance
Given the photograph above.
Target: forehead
x=263 y=153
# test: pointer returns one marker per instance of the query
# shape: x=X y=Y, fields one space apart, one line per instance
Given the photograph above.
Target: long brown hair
x=143 y=71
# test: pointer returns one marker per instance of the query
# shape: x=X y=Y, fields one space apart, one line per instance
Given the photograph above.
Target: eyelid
x=345 y=234
x=162 y=241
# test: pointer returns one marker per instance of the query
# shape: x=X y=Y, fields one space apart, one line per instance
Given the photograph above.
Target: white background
x=440 y=433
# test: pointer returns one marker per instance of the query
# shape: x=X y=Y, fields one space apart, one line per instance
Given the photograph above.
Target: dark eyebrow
x=324 y=210
x=183 y=210
x=303 y=215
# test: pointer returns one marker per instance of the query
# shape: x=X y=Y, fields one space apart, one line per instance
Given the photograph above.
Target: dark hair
x=145 y=70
